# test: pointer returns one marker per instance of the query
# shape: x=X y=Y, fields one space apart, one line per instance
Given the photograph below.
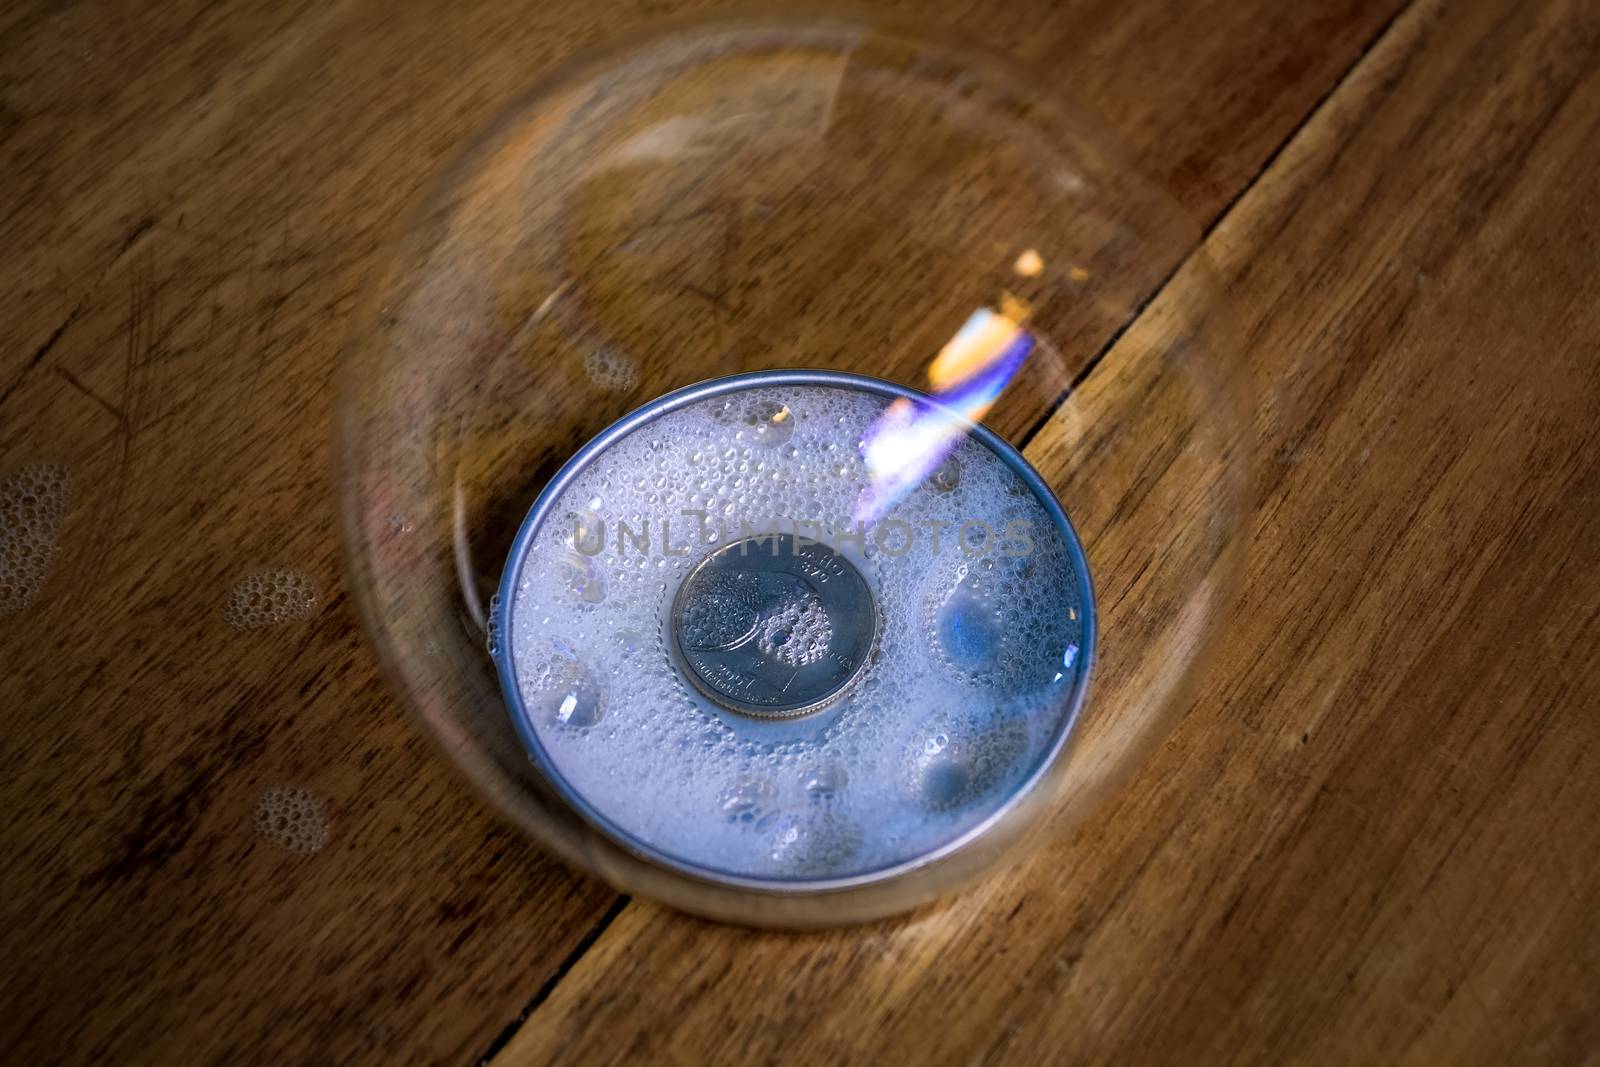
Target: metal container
x=740 y=690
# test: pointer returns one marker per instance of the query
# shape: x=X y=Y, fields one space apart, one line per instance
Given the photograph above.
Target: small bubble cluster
x=33 y=505
x=491 y=626
x=610 y=370
x=585 y=580
x=269 y=598
x=946 y=477
x=748 y=800
x=982 y=617
x=723 y=610
x=823 y=783
x=766 y=421
x=812 y=843
x=563 y=691
x=292 y=819
x=797 y=635
x=953 y=760
x=969 y=683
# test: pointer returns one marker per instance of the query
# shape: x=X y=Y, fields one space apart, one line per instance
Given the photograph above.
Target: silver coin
x=773 y=628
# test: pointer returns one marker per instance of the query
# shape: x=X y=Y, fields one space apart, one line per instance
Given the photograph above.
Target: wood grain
x=193 y=198
x=1372 y=839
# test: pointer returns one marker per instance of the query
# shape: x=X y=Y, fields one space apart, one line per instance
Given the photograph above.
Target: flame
x=912 y=437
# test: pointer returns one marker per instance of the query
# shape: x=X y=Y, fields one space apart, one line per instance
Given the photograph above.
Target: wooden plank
x=194 y=197
x=1372 y=839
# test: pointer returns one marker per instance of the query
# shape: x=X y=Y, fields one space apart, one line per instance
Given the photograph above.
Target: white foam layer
x=975 y=664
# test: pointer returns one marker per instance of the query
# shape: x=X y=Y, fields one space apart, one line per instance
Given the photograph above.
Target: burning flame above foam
x=912 y=437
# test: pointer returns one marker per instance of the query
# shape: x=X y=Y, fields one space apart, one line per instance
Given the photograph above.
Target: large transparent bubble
x=949 y=304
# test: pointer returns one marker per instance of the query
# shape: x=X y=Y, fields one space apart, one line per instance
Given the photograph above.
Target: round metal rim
x=552 y=492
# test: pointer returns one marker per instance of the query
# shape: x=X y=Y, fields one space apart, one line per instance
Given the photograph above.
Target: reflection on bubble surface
x=744 y=195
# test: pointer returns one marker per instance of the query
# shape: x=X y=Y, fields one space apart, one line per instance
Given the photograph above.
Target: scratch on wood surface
x=41 y=352
x=77 y=383
x=140 y=228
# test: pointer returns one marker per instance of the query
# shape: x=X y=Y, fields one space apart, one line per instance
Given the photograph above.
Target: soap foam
x=292 y=819
x=33 y=505
x=965 y=695
x=269 y=598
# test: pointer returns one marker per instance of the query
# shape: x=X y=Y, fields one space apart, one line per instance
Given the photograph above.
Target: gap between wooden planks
x=1373 y=838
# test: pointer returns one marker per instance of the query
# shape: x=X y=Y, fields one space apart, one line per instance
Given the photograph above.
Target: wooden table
x=1375 y=837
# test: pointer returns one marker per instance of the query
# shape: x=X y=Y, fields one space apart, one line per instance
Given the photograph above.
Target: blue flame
x=912 y=437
